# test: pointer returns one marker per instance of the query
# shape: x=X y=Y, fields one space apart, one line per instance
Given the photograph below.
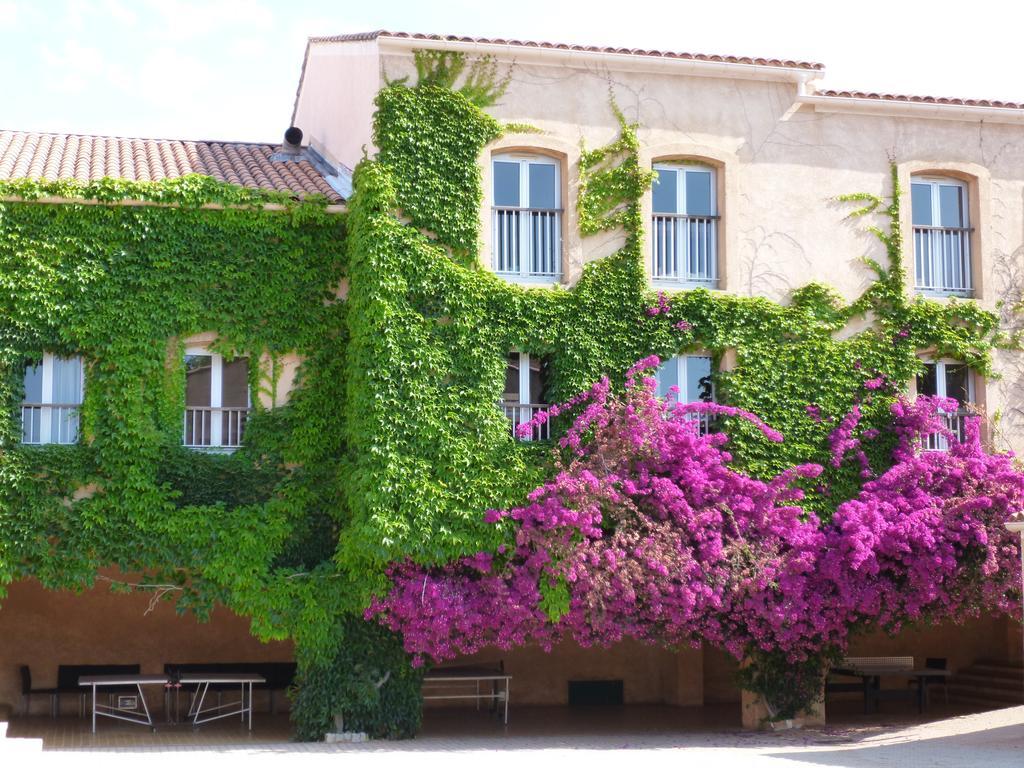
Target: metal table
x=459 y=679
x=871 y=684
x=128 y=706
x=203 y=681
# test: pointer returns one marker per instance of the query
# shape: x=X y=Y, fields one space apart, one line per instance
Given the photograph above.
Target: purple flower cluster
x=662 y=307
x=647 y=532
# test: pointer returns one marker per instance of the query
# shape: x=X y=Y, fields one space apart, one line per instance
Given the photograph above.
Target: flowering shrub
x=647 y=532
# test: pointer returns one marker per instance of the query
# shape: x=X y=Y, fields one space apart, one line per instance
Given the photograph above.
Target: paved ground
x=986 y=740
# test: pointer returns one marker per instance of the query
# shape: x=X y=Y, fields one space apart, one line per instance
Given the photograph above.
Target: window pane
x=926 y=383
x=197 y=380
x=235 y=383
x=64 y=425
x=542 y=185
x=698 y=193
x=664 y=189
x=540 y=380
x=921 y=204
x=67 y=380
x=31 y=424
x=506 y=184
x=951 y=205
x=957 y=378
x=34 y=383
x=668 y=376
x=512 y=378
x=698 y=380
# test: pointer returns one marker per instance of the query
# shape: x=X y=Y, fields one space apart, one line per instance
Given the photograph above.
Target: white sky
x=227 y=69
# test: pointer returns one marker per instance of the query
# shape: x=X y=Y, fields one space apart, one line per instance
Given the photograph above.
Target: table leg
x=198 y=705
x=865 y=683
x=250 y=704
x=922 y=693
x=94 y=707
x=508 y=686
x=145 y=707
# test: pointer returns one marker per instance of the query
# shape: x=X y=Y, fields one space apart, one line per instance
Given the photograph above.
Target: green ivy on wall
x=392 y=445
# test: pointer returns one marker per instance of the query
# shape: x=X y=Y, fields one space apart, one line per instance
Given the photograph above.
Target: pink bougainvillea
x=647 y=532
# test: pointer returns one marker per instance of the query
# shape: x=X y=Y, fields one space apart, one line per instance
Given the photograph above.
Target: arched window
x=526 y=230
x=942 y=235
x=684 y=226
x=216 y=400
x=54 y=388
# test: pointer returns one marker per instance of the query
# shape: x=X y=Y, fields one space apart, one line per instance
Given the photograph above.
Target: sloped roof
x=752 y=60
x=909 y=99
x=56 y=156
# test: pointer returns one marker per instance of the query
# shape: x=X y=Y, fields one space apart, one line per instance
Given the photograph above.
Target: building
x=752 y=155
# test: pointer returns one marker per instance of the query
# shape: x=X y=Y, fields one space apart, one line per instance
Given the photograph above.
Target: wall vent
x=595 y=693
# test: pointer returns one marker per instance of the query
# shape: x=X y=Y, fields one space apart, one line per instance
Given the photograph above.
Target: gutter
x=900 y=108
x=334 y=208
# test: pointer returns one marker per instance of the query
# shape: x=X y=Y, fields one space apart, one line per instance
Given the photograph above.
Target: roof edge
x=968 y=110
x=520 y=47
x=134 y=203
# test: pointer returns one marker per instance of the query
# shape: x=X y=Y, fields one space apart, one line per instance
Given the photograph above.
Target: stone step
x=996 y=668
x=980 y=703
x=989 y=694
x=986 y=681
x=988 y=684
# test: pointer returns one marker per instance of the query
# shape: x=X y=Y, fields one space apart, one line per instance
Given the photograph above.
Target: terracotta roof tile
x=907 y=99
x=756 y=61
x=56 y=156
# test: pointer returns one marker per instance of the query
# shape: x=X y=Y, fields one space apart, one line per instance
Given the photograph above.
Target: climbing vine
x=390 y=447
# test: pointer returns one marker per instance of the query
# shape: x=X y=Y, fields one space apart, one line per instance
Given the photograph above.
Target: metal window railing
x=704 y=421
x=527 y=242
x=521 y=413
x=685 y=248
x=939 y=442
x=942 y=259
x=214 y=427
x=49 y=423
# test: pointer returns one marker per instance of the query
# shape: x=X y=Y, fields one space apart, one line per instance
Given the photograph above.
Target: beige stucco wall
x=781 y=164
x=335 y=103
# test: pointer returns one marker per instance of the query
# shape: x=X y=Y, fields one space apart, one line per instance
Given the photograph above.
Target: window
x=684 y=228
x=526 y=233
x=53 y=396
x=692 y=374
x=947 y=378
x=216 y=400
x=942 y=236
x=527 y=382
